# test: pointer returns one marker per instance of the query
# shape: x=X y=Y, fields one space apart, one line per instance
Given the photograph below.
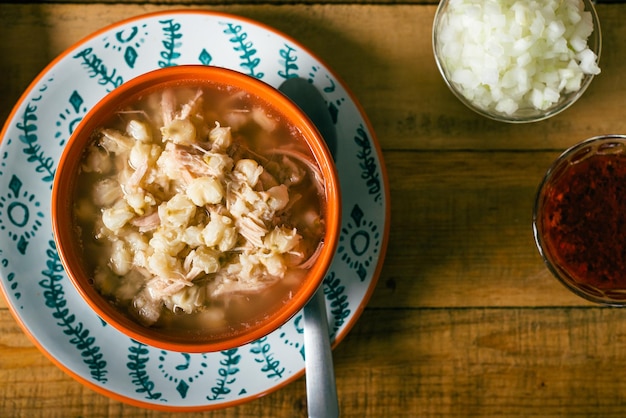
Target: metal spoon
x=321 y=390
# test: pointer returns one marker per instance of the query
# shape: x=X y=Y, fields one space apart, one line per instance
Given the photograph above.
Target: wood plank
x=485 y=362
x=461 y=232
x=407 y=101
x=423 y=362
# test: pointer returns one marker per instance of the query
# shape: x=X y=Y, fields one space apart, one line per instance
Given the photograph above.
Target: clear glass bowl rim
x=558 y=272
x=595 y=44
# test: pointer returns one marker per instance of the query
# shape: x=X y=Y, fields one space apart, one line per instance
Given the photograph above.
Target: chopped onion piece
x=506 y=55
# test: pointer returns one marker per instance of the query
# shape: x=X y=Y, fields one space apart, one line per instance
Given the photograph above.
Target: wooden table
x=465 y=320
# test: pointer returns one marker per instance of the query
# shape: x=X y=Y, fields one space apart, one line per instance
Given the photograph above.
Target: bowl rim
x=553 y=266
x=554 y=110
x=154 y=80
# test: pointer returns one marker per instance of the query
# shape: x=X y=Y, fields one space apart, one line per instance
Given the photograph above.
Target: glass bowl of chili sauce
x=579 y=219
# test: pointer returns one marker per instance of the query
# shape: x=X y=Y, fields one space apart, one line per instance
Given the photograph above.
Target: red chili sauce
x=584 y=221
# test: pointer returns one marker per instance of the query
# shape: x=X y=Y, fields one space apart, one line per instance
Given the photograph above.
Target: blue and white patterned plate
x=34 y=283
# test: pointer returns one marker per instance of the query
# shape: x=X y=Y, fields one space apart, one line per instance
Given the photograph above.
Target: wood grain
x=461 y=232
x=513 y=362
x=465 y=321
x=407 y=101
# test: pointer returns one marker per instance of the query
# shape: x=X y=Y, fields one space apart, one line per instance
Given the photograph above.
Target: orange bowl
x=125 y=282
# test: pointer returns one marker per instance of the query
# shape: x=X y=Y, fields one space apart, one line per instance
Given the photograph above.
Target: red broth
x=200 y=210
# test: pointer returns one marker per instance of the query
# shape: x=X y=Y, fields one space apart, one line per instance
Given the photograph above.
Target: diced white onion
x=506 y=55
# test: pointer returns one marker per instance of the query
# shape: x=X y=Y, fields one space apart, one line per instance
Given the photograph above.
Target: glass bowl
x=488 y=63
x=579 y=219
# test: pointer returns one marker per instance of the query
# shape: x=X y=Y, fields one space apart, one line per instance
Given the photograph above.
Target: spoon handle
x=321 y=388
x=320 y=375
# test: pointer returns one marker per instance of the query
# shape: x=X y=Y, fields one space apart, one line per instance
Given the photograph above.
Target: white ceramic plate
x=34 y=283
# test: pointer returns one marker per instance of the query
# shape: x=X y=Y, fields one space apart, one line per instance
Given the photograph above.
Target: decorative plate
x=34 y=283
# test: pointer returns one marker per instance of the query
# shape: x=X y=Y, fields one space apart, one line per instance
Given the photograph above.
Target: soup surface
x=199 y=208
